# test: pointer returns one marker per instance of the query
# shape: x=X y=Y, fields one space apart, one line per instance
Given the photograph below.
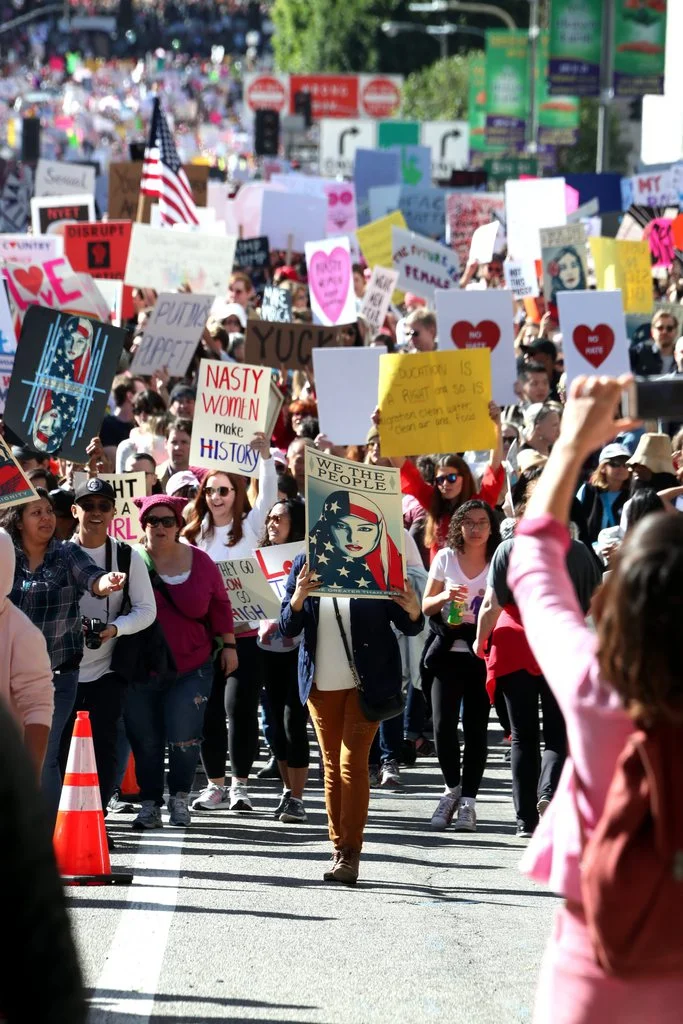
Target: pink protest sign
x=330 y=281
x=660 y=239
x=54 y=284
x=341 y=208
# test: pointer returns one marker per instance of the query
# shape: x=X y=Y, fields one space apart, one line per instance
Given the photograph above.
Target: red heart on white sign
x=30 y=279
x=595 y=343
x=486 y=334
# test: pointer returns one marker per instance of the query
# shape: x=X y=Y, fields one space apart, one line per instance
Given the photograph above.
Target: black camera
x=91 y=632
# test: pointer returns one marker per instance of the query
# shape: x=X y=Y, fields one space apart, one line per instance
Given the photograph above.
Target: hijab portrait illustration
x=57 y=409
x=566 y=272
x=351 y=549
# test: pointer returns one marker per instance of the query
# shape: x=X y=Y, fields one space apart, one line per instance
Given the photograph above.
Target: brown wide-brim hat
x=653 y=452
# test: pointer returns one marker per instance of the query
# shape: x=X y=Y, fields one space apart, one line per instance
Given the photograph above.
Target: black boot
x=271 y=770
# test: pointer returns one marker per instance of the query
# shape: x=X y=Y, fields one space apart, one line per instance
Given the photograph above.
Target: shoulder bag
x=379 y=711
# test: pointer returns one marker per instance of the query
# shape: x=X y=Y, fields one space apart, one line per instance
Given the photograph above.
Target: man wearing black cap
x=544 y=351
x=181 y=402
x=100 y=691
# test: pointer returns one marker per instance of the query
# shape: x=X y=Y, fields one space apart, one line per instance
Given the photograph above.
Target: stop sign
x=380 y=97
x=265 y=92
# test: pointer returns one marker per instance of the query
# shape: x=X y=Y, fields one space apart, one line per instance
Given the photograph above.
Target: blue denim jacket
x=373 y=643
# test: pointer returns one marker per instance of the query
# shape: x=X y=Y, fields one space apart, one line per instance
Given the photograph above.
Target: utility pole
x=534 y=33
x=602 y=154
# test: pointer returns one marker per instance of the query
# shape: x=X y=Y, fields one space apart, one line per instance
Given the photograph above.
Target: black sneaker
x=270 y=771
x=284 y=799
x=524 y=831
x=424 y=747
x=118 y=806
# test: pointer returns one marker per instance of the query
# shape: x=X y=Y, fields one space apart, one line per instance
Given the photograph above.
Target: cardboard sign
x=15 y=487
x=467 y=211
x=251 y=595
x=165 y=260
x=564 y=256
x=124 y=189
x=435 y=402
x=63 y=370
x=54 y=178
x=252 y=253
x=483 y=243
x=354 y=373
x=51 y=283
x=532 y=204
x=99 y=249
x=290 y=219
x=276 y=400
x=593 y=333
x=423 y=266
x=125 y=526
x=232 y=405
x=287 y=345
x=276 y=307
x=377 y=296
x=354 y=527
x=50 y=214
x=30 y=248
x=276 y=564
x=375 y=239
x=520 y=278
x=172 y=333
x=475 y=320
x=624 y=266
x=330 y=281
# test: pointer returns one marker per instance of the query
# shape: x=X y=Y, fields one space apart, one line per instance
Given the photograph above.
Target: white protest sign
x=8 y=346
x=532 y=204
x=164 y=260
x=475 y=319
x=330 y=281
x=354 y=373
x=49 y=214
x=657 y=188
x=112 y=293
x=290 y=219
x=594 y=335
x=251 y=595
x=30 y=248
x=521 y=279
x=483 y=243
x=423 y=265
x=54 y=178
x=172 y=333
x=232 y=405
x=276 y=563
x=378 y=295
x=52 y=283
x=125 y=526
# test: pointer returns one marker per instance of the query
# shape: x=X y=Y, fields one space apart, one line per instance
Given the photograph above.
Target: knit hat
x=175 y=505
x=653 y=452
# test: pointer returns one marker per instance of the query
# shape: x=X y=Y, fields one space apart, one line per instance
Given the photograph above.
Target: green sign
x=575 y=47
x=500 y=169
x=507 y=87
x=558 y=116
x=398 y=133
x=639 y=39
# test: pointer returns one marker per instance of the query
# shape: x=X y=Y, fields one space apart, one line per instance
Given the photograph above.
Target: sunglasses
x=277 y=519
x=96 y=506
x=619 y=461
x=664 y=327
x=221 y=492
x=166 y=521
x=411 y=334
x=449 y=478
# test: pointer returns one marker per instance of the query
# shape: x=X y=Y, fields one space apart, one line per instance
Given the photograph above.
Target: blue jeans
x=157 y=714
x=388 y=741
x=65 y=684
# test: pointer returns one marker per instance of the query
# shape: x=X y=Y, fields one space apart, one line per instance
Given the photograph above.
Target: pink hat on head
x=175 y=505
x=411 y=299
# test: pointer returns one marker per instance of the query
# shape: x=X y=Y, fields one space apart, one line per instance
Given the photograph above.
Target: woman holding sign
x=222 y=523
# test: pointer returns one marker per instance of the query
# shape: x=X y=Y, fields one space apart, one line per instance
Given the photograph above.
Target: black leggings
x=461 y=677
x=238 y=698
x=533 y=777
x=290 y=716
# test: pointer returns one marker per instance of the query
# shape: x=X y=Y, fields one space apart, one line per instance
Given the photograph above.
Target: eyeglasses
x=479 y=524
x=449 y=478
x=166 y=521
x=96 y=506
x=220 y=492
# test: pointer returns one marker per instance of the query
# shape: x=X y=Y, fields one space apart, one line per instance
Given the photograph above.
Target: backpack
x=632 y=865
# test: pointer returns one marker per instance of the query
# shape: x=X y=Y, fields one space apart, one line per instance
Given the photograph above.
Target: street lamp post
x=467 y=7
x=440 y=32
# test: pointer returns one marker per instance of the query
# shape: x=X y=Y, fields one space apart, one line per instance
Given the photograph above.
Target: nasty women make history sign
x=232 y=405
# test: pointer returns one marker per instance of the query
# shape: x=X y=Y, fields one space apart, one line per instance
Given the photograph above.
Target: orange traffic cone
x=80 y=839
x=130 y=788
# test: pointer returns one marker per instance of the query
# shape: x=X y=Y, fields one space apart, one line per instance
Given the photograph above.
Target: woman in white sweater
x=222 y=523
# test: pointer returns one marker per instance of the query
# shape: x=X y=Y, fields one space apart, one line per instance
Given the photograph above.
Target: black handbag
x=379 y=711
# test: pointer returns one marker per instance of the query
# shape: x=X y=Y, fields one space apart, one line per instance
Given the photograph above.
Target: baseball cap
x=182 y=479
x=221 y=310
x=614 y=451
x=95 y=488
x=182 y=391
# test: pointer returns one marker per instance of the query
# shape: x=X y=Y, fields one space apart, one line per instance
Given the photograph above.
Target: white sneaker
x=467 y=818
x=239 y=797
x=446 y=808
x=212 y=796
x=178 y=812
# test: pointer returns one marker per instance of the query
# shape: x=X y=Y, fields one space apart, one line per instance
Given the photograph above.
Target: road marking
x=136 y=954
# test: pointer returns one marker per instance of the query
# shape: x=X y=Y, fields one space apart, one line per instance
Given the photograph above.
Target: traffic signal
x=302 y=105
x=30 y=139
x=267 y=133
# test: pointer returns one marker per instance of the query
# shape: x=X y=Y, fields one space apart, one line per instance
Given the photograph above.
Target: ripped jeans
x=159 y=714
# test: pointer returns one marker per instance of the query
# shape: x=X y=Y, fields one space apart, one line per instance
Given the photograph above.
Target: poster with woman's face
x=354 y=527
x=15 y=488
x=563 y=253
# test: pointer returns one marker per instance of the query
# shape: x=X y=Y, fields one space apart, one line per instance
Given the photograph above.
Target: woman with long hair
x=285 y=524
x=452 y=598
x=604 y=495
x=622 y=679
x=222 y=523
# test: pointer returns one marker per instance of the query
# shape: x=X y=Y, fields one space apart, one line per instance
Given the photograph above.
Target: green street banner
x=558 y=116
x=507 y=87
x=575 y=47
x=639 y=40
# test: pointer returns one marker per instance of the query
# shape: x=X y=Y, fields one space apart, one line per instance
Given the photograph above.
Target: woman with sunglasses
x=452 y=599
x=605 y=494
x=192 y=609
x=222 y=523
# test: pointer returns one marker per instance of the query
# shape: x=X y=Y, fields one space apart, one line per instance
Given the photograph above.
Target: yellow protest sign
x=435 y=402
x=624 y=264
x=375 y=238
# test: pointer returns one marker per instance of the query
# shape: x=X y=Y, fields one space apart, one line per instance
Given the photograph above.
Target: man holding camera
x=100 y=690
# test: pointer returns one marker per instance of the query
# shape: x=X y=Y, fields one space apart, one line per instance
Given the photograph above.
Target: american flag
x=163 y=176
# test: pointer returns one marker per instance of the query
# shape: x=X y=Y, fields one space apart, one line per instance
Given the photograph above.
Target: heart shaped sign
x=30 y=279
x=486 y=334
x=594 y=343
x=329 y=277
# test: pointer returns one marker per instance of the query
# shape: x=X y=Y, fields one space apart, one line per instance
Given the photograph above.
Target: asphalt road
x=230 y=920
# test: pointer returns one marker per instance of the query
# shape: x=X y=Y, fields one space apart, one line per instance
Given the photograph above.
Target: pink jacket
x=25 y=672
x=597 y=725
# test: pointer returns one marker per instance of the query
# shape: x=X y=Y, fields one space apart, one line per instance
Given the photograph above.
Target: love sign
x=485 y=334
x=330 y=281
x=594 y=344
x=593 y=326
x=478 y=319
x=51 y=283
